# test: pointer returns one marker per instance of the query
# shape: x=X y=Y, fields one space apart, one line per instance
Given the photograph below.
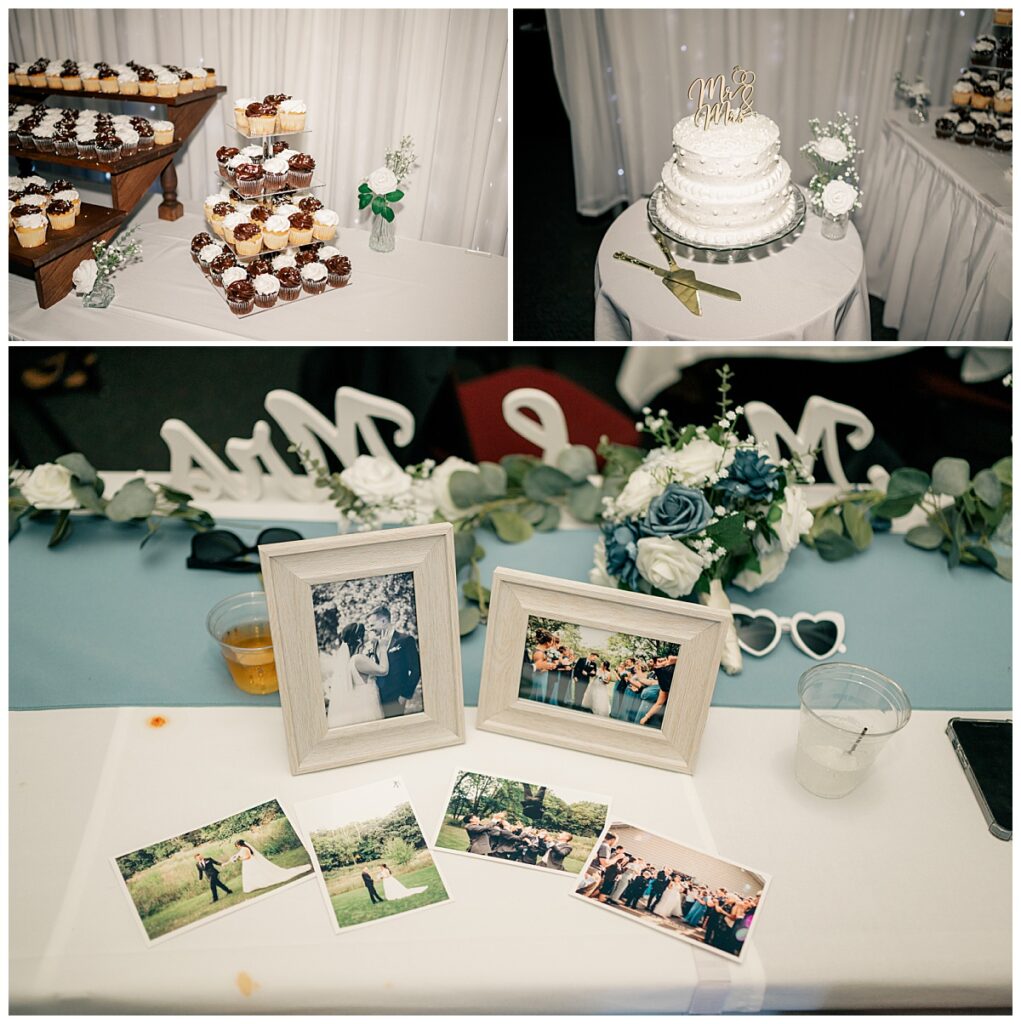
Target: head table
x=103 y=635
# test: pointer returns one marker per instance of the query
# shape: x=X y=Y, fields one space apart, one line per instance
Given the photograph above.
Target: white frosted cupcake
x=324 y=225
x=70 y=195
x=267 y=289
x=276 y=173
x=168 y=85
x=313 y=278
x=284 y=259
x=252 y=154
x=230 y=222
x=90 y=78
x=231 y=167
x=275 y=232
x=291 y=116
x=209 y=253
x=286 y=209
x=127 y=83
x=53 y=80
x=232 y=274
x=31 y=230
x=240 y=118
x=326 y=252
x=163 y=132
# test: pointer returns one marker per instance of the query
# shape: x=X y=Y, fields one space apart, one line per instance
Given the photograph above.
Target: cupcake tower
x=982 y=97
x=268 y=235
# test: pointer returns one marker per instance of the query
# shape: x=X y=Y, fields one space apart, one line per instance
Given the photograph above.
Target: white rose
x=668 y=565
x=84 y=277
x=641 y=487
x=795 y=519
x=598 y=573
x=375 y=480
x=694 y=463
x=49 y=486
x=423 y=500
x=440 y=480
x=772 y=562
x=838 y=197
x=832 y=149
x=382 y=180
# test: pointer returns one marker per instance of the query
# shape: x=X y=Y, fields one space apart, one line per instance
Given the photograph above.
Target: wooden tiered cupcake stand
x=51 y=265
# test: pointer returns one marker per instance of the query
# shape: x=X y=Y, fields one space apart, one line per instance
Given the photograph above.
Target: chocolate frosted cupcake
x=965 y=134
x=313 y=278
x=338 y=270
x=301 y=228
x=982 y=96
x=223 y=154
x=303 y=257
x=290 y=283
x=198 y=243
x=945 y=127
x=267 y=290
x=261 y=118
x=299 y=170
x=248 y=239
x=984 y=134
x=309 y=204
x=222 y=262
x=108 y=149
x=61 y=215
x=146 y=137
x=982 y=52
x=250 y=179
x=1003 y=140
x=259 y=267
x=241 y=297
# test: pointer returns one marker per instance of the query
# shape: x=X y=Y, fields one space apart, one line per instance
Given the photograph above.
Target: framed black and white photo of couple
x=366 y=642
x=599 y=670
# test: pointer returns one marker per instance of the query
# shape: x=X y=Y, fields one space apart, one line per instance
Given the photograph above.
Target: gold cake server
x=682 y=290
x=686 y=277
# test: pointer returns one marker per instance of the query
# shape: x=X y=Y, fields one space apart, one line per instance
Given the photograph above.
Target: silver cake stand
x=776 y=242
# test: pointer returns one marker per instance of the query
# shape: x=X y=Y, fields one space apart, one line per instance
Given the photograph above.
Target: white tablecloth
x=865 y=910
x=937 y=225
x=420 y=291
x=813 y=290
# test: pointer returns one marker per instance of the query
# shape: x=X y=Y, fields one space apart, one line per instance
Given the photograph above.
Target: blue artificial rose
x=621 y=541
x=678 y=512
x=750 y=477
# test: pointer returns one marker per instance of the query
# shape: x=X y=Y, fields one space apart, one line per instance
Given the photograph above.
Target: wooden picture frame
x=698 y=631
x=290 y=571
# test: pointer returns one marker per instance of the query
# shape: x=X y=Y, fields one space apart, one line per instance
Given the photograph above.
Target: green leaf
x=493 y=479
x=394 y=197
x=1004 y=471
x=775 y=512
x=14 y=514
x=464 y=547
x=988 y=487
x=906 y=488
x=550 y=520
x=542 y=482
x=859 y=529
x=577 y=461
x=927 y=537
x=387 y=214
x=468 y=619
x=828 y=522
x=180 y=497
x=79 y=466
x=833 y=547
x=364 y=200
x=533 y=512
x=585 y=502
x=465 y=488
x=1005 y=567
x=517 y=466
x=364 y=187
x=951 y=476
x=378 y=204
x=729 y=531
x=133 y=501
x=983 y=555
x=475 y=591
x=509 y=526
x=86 y=496
x=61 y=530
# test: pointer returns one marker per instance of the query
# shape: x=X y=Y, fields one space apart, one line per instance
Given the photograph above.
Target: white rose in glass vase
x=838 y=198
x=48 y=486
x=84 y=277
x=382 y=180
x=832 y=149
x=375 y=480
x=668 y=565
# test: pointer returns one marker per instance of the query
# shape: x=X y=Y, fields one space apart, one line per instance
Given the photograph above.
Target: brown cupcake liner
x=265 y=301
x=239 y=307
x=315 y=287
x=289 y=294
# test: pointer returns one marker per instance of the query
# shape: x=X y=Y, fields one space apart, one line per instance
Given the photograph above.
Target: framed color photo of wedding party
x=366 y=642
x=599 y=670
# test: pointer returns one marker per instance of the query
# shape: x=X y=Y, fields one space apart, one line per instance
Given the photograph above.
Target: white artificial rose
x=440 y=480
x=693 y=464
x=48 y=486
x=84 y=277
x=668 y=565
x=641 y=487
x=838 y=198
x=598 y=574
x=423 y=500
x=795 y=519
x=772 y=562
x=382 y=180
x=375 y=480
x=832 y=149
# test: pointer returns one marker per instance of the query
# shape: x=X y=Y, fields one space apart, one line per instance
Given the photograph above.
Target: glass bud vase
x=101 y=295
x=383 y=235
x=834 y=228
x=919 y=113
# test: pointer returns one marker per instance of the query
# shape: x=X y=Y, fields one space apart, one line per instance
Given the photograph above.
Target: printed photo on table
x=538 y=826
x=191 y=878
x=683 y=892
x=597 y=672
x=367 y=634
x=372 y=860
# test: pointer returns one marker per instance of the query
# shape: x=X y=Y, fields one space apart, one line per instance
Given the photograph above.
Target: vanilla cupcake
x=168 y=85
x=961 y=94
x=262 y=118
x=70 y=195
x=127 y=83
x=90 y=78
x=21 y=74
x=147 y=85
x=218 y=214
x=198 y=79
x=70 y=79
x=210 y=201
x=301 y=228
x=267 y=290
x=324 y=224
x=291 y=116
x=210 y=78
x=275 y=232
x=230 y=222
x=53 y=81
x=313 y=278
x=248 y=239
x=31 y=230
x=186 y=83
x=39 y=202
x=61 y=215
x=163 y=132
x=1003 y=101
x=240 y=117
x=286 y=209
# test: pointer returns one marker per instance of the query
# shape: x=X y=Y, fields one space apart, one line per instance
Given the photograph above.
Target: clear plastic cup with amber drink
x=240 y=625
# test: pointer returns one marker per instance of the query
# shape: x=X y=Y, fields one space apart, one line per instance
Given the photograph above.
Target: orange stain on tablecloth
x=157 y=722
x=246 y=983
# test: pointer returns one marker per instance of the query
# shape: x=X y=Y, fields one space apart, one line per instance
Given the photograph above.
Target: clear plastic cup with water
x=848 y=712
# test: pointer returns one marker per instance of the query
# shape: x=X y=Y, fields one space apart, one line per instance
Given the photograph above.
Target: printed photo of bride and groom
x=193 y=877
x=592 y=671
x=371 y=856
x=521 y=823
x=367 y=635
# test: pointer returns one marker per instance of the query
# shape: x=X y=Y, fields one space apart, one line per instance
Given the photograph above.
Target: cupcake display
x=130 y=79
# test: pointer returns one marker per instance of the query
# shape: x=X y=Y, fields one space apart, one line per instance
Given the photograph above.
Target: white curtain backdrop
x=624 y=78
x=368 y=78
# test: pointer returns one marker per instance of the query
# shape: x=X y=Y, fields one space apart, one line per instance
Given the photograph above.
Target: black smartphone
x=984 y=749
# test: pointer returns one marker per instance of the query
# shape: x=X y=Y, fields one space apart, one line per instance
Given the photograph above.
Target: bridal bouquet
x=705 y=508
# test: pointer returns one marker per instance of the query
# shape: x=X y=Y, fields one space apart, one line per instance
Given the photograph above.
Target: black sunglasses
x=221 y=549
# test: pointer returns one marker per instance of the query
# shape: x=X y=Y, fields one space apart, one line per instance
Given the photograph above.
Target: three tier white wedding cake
x=727 y=184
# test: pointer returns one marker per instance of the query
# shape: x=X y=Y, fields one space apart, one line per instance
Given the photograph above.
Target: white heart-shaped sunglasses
x=820 y=636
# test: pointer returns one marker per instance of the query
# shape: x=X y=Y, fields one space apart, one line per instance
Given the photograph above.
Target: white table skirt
x=858 y=915
x=420 y=291
x=938 y=226
x=813 y=290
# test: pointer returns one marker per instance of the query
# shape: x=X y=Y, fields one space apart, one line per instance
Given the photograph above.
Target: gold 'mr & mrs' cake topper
x=720 y=104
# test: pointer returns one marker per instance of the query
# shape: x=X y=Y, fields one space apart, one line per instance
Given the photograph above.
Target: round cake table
x=812 y=290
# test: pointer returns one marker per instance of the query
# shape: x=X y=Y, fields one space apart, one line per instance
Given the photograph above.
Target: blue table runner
x=99 y=623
